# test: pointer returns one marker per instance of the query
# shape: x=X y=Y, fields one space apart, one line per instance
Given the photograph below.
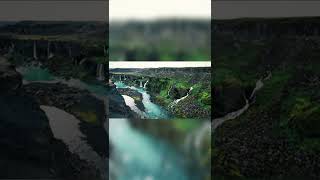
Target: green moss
x=37 y=74
x=88 y=116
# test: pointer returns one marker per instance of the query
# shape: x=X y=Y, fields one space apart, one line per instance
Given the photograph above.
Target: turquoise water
x=138 y=156
x=36 y=74
x=152 y=110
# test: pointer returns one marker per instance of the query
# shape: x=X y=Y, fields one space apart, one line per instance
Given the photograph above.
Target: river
x=152 y=110
x=138 y=156
x=135 y=155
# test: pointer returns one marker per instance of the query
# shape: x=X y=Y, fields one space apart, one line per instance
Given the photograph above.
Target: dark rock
x=10 y=80
x=80 y=103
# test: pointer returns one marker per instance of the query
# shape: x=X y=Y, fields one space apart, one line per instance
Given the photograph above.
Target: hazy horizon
x=157 y=64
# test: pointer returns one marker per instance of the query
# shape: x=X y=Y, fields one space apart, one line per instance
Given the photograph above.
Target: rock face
x=29 y=149
x=117 y=105
x=228 y=98
x=10 y=80
x=177 y=93
x=135 y=95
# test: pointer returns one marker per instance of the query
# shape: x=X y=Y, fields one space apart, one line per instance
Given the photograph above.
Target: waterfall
x=50 y=54
x=100 y=72
x=259 y=85
x=35 y=50
x=82 y=61
x=218 y=121
x=120 y=77
x=140 y=83
x=175 y=102
x=145 y=84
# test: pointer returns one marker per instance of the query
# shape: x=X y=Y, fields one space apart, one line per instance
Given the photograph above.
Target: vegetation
x=165 y=40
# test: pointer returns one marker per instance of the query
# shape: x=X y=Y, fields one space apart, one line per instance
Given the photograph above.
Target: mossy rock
x=89 y=117
x=307 y=121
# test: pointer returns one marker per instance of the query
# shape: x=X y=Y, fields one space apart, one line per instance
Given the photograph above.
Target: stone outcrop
x=117 y=105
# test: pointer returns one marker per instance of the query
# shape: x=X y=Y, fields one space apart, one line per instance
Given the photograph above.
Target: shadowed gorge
x=266 y=89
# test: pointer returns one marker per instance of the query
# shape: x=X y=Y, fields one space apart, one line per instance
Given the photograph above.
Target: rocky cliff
x=275 y=137
x=29 y=148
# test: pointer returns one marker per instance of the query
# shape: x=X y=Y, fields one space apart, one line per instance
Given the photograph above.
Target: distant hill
x=173 y=39
x=53 y=27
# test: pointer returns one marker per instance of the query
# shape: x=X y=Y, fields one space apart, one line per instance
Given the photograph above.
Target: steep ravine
x=277 y=136
x=179 y=101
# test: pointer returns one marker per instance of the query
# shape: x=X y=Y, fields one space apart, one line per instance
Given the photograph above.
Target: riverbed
x=151 y=109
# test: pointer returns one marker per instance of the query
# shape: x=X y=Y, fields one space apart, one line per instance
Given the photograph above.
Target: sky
x=239 y=9
x=157 y=64
x=158 y=9
x=53 y=10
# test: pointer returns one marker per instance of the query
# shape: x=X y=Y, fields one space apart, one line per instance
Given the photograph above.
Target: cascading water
x=175 y=102
x=49 y=53
x=145 y=84
x=141 y=84
x=100 y=72
x=218 y=121
x=152 y=110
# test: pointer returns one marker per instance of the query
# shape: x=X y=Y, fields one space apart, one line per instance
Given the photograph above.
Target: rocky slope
x=29 y=148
